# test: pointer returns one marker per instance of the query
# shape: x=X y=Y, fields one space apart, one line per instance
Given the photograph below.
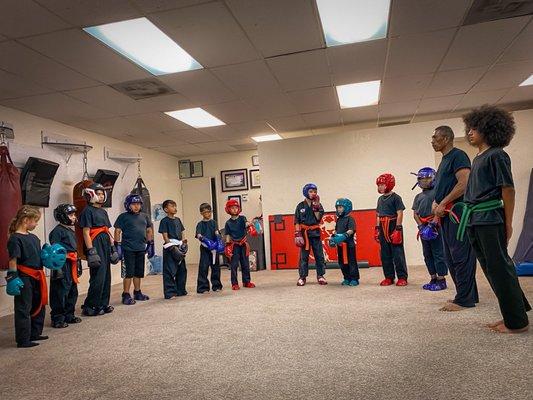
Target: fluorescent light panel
x=353 y=21
x=146 y=45
x=195 y=117
x=358 y=94
x=528 y=81
x=266 y=138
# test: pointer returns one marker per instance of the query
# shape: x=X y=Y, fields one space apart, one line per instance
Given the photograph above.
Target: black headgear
x=62 y=212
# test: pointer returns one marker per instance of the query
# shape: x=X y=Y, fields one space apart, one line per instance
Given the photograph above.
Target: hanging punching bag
x=80 y=203
x=11 y=200
x=141 y=189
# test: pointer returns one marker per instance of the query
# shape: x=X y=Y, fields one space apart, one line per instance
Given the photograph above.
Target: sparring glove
x=428 y=232
x=79 y=267
x=337 y=239
x=150 y=248
x=114 y=257
x=376 y=233
x=396 y=236
x=183 y=248
x=299 y=241
x=258 y=226
x=14 y=283
x=93 y=259
x=208 y=243
x=228 y=251
x=315 y=203
x=251 y=230
x=120 y=251
x=220 y=245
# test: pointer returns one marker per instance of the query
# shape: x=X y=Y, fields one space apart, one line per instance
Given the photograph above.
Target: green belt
x=468 y=209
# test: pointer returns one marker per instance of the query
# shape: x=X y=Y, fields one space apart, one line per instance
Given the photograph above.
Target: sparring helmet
x=307 y=188
x=205 y=206
x=387 y=180
x=423 y=173
x=346 y=203
x=90 y=193
x=232 y=203
x=131 y=199
x=53 y=256
x=62 y=212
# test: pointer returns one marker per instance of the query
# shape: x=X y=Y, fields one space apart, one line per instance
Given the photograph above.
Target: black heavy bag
x=11 y=200
x=141 y=189
x=35 y=181
x=107 y=179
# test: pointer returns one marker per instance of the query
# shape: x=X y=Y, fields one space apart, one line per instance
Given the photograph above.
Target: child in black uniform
x=64 y=282
x=207 y=233
x=25 y=278
x=100 y=251
x=134 y=238
x=174 y=250
x=488 y=212
x=388 y=232
x=343 y=238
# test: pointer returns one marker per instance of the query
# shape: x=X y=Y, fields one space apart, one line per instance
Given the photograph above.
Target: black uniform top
x=26 y=249
x=172 y=227
x=133 y=227
x=305 y=215
x=491 y=170
x=423 y=202
x=207 y=229
x=345 y=224
x=64 y=236
x=388 y=205
x=94 y=217
x=445 y=179
x=236 y=228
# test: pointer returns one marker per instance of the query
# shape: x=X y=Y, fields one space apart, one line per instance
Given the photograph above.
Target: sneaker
x=401 y=282
x=235 y=287
x=301 y=282
x=249 y=285
x=138 y=295
x=108 y=309
x=345 y=282
x=427 y=285
x=74 y=320
x=354 y=282
x=386 y=282
x=127 y=300
x=322 y=281
x=439 y=285
x=90 y=311
x=27 y=345
x=59 y=324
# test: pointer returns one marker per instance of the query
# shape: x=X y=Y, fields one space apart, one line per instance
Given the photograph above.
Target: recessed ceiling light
x=528 y=81
x=267 y=138
x=195 y=117
x=358 y=94
x=146 y=45
x=352 y=21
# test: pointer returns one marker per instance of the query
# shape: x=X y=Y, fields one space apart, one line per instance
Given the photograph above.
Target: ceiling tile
x=412 y=87
x=191 y=136
x=13 y=86
x=108 y=99
x=271 y=105
x=480 y=44
x=454 y=82
x=359 y=114
x=522 y=94
x=215 y=147
x=180 y=150
x=208 y=32
x=287 y=124
x=169 y=102
x=503 y=76
x=302 y=70
x=150 y=6
x=252 y=128
x=417 y=54
x=278 y=26
x=297 y=134
x=398 y=110
x=521 y=47
x=152 y=140
x=323 y=118
x=471 y=100
x=232 y=111
x=224 y=132
x=438 y=104
x=312 y=100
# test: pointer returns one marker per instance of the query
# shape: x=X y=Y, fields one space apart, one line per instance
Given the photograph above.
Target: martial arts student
x=100 y=251
x=450 y=184
x=488 y=212
x=389 y=233
x=174 y=250
x=64 y=282
x=307 y=217
x=134 y=237
x=343 y=238
x=429 y=230
x=237 y=247
x=211 y=242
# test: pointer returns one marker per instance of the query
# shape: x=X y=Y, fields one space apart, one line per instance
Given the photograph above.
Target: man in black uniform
x=450 y=183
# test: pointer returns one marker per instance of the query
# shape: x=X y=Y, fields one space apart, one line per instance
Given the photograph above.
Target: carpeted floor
x=278 y=341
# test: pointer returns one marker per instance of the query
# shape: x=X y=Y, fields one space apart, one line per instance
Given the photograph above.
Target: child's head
x=133 y=203
x=95 y=194
x=385 y=183
x=65 y=214
x=27 y=218
x=491 y=125
x=205 y=210
x=310 y=191
x=233 y=208
x=170 y=207
x=343 y=207
x=425 y=178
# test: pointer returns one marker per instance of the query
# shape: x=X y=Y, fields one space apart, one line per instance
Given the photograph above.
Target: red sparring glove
x=298 y=239
x=396 y=236
x=228 y=250
x=251 y=230
x=376 y=233
x=315 y=203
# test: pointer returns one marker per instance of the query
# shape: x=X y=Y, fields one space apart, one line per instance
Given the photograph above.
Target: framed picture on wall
x=255 y=160
x=236 y=197
x=234 y=180
x=184 y=169
x=197 y=169
x=255 y=179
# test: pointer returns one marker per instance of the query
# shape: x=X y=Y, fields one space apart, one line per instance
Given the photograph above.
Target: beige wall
x=159 y=172
x=347 y=164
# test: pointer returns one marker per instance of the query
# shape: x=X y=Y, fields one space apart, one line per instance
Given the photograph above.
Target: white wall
x=159 y=172
x=347 y=164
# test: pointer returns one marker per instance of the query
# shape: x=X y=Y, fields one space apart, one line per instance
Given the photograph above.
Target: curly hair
x=496 y=125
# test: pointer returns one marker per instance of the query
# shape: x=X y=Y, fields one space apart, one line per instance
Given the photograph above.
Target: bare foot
x=449 y=301
x=494 y=324
x=452 y=307
x=503 y=329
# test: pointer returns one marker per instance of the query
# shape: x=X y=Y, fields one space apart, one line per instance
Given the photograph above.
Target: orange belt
x=344 y=248
x=37 y=274
x=242 y=242
x=94 y=232
x=385 y=224
x=306 y=228
x=73 y=258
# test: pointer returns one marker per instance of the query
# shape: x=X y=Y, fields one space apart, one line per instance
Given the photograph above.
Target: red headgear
x=387 y=180
x=232 y=203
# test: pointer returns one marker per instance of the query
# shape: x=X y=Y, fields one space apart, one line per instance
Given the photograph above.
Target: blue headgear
x=53 y=256
x=346 y=203
x=307 y=188
x=423 y=173
x=130 y=199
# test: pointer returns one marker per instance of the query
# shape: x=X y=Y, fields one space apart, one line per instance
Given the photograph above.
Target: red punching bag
x=11 y=200
x=80 y=203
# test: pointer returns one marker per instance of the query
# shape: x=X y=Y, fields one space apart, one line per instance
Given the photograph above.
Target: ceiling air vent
x=143 y=88
x=490 y=10
x=392 y=123
x=249 y=146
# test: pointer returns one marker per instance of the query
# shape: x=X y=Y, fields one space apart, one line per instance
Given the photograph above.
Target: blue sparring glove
x=208 y=243
x=119 y=250
x=150 y=248
x=337 y=239
x=258 y=226
x=221 y=246
x=428 y=232
x=14 y=283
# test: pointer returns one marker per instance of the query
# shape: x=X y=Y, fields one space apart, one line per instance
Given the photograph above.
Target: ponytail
x=23 y=213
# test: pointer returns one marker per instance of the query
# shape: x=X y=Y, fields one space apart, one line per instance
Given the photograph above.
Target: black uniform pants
x=240 y=257
x=27 y=327
x=392 y=255
x=315 y=244
x=63 y=296
x=174 y=276
x=434 y=256
x=349 y=267
x=206 y=261
x=99 y=290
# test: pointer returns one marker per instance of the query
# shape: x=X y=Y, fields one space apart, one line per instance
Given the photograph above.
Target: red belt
x=242 y=242
x=344 y=248
x=385 y=224
x=306 y=228
x=37 y=274
x=73 y=258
